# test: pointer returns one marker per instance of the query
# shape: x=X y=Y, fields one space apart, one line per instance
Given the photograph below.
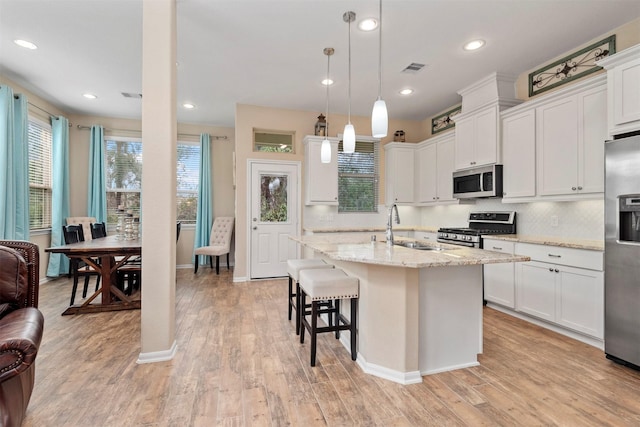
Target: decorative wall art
x=445 y=120
x=574 y=66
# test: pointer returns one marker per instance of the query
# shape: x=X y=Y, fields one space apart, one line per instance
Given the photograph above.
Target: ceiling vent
x=413 y=68
x=132 y=95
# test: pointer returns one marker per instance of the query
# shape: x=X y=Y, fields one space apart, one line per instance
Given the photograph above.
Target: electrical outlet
x=554 y=220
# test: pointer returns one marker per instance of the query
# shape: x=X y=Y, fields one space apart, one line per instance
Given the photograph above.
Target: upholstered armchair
x=21 y=327
x=219 y=242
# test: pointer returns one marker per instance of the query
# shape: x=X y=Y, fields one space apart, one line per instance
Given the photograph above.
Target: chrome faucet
x=389 y=234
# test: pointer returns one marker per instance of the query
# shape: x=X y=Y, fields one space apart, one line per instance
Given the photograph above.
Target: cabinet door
x=626 y=93
x=580 y=300
x=464 y=148
x=426 y=174
x=557 y=146
x=445 y=158
x=486 y=137
x=519 y=154
x=401 y=175
x=535 y=289
x=427 y=236
x=592 y=119
x=322 y=178
x=499 y=279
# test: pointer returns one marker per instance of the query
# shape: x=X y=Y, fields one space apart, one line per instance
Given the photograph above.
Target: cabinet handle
x=555 y=256
x=434 y=198
x=497 y=248
x=556 y=270
x=551 y=270
x=579 y=188
x=573 y=188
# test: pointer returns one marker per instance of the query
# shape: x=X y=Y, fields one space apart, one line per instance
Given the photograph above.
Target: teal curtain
x=97 y=197
x=204 y=216
x=14 y=166
x=59 y=263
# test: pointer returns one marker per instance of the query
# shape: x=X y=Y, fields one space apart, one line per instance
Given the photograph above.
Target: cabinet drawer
x=580 y=258
x=499 y=246
x=426 y=236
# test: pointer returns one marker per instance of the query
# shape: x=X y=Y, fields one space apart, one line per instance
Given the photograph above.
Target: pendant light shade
x=325 y=148
x=349 y=139
x=379 y=119
x=349 y=133
x=325 y=151
x=379 y=116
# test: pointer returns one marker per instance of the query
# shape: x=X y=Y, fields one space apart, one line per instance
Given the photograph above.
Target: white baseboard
x=158 y=356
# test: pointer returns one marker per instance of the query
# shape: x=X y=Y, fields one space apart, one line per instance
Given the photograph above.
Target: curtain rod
x=139 y=131
x=53 y=116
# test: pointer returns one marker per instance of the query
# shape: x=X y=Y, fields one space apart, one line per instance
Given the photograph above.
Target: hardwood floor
x=239 y=363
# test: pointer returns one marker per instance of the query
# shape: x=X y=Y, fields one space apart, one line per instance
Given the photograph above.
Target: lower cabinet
x=427 y=236
x=499 y=284
x=567 y=295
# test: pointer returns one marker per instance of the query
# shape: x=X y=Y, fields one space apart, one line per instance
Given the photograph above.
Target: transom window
x=358 y=178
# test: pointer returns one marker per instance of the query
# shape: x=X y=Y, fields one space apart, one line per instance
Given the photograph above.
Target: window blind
x=123 y=165
x=40 y=179
x=358 y=178
x=188 y=180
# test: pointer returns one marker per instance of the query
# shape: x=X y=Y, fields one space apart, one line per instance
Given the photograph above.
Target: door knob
x=255 y=228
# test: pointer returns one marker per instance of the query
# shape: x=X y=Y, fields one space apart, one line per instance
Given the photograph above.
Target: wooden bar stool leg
x=301 y=313
x=314 y=332
x=336 y=313
x=298 y=308
x=290 y=296
x=354 y=302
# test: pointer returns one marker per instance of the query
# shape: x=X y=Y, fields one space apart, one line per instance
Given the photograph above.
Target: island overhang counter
x=419 y=311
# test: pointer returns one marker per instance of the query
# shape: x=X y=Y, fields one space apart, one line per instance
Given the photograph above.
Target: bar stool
x=321 y=285
x=294 y=266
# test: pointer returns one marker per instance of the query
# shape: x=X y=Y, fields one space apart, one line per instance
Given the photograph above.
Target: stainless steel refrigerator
x=622 y=251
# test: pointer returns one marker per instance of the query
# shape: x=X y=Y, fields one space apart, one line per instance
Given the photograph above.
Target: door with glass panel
x=274 y=216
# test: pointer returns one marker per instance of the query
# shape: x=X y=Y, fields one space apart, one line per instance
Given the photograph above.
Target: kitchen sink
x=419 y=246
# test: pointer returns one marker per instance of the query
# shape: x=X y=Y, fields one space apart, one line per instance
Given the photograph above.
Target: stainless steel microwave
x=484 y=181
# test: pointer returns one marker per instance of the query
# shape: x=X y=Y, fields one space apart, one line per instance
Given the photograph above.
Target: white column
x=159 y=135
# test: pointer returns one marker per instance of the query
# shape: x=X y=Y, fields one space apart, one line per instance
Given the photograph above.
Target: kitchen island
x=419 y=311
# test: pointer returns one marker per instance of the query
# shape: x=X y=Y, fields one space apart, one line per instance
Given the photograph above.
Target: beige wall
x=302 y=123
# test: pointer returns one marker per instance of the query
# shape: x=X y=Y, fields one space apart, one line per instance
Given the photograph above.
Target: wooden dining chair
x=98 y=230
x=74 y=234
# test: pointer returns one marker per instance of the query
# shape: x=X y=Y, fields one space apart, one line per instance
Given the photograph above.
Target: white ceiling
x=270 y=52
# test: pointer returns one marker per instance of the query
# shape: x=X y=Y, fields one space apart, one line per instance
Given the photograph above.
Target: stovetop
x=473 y=231
x=485 y=223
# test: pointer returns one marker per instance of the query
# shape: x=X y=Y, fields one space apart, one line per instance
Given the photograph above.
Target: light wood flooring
x=239 y=363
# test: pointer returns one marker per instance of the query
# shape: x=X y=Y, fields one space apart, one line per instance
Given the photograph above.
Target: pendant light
x=325 y=148
x=349 y=133
x=379 y=116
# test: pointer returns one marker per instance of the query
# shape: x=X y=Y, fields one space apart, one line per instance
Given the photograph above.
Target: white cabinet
x=623 y=84
x=434 y=170
x=519 y=154
x=476 y=139
x=321 y=179
x=570 y=135
x=499 y=279
x=427 y=236
x=568 y=292
x=399 y=173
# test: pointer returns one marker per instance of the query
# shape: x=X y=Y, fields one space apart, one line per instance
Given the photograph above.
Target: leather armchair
x=21 y=327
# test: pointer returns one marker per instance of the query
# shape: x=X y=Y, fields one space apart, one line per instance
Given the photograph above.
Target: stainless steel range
x=480 y=223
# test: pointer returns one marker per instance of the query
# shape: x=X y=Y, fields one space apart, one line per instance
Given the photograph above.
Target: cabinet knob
x=504 y=193
x=573 y=188
x=551 y=270
x=556 y=270
x=579 y=188
x=434 y=198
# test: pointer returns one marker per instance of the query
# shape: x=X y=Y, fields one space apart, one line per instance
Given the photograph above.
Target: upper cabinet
x=399 y=171
x=623 y=84
x=477 y=135
x=519 y=154
x=570 y=135
x=321 y=179
x=434 y=169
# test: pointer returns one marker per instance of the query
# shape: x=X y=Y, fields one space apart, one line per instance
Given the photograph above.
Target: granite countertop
x=360 y=249
x=565 y=242
x=368 y=229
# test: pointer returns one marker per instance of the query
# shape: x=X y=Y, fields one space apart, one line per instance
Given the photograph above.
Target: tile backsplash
x=579 y=220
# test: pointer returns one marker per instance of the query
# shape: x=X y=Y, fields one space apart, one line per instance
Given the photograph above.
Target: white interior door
x=274 y=216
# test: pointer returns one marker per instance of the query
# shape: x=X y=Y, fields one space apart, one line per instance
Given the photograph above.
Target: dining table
x=106 y=255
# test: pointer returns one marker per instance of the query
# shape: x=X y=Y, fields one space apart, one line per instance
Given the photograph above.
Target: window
x=273 y=141
x=124 y=178
x=40 y=179
x=358 y=178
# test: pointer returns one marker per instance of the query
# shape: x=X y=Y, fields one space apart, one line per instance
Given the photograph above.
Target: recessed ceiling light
x=25 y=44
x=406 y=91
x=89 y=95
x=473 y=45
x=368 y=24
x=327 y=82
x=188 y=106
